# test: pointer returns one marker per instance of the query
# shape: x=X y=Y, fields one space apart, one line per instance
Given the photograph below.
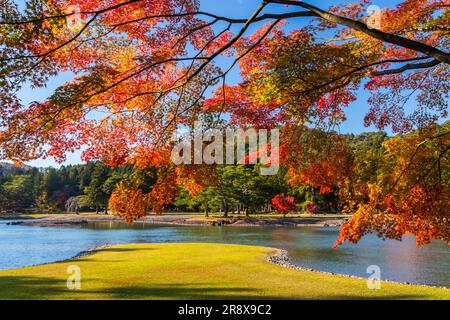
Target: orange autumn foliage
x=411 y=194
x=128 y=203
x=144 y=69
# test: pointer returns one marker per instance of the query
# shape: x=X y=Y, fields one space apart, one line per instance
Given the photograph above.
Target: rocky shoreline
x=281 y=258
x=181 y=220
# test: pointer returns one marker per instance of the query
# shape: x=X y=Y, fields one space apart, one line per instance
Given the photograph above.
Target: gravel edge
x=281 y=258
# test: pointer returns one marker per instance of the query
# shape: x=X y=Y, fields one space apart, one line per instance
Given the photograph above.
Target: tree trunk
x=225 y=211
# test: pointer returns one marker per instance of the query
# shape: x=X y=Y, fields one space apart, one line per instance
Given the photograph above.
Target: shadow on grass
x=33 y=287
x=191 y=292
x=30 y=287
x=86 y=256
x=180 y=291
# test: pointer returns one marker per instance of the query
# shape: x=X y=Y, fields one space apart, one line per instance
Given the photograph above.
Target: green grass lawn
x=192 y=271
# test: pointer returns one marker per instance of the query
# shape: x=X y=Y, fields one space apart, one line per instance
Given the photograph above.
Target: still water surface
x=309 y=247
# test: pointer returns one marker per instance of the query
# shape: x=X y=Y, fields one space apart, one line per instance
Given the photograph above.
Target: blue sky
x=236 y=9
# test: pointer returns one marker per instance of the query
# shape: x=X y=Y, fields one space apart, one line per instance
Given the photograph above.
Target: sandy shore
x=181 y=220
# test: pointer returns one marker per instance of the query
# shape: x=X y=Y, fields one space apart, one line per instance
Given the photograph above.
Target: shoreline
x=282 y=259
x=181 y=220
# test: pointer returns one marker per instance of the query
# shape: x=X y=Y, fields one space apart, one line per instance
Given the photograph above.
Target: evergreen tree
x=18 y=193
x=95 y=190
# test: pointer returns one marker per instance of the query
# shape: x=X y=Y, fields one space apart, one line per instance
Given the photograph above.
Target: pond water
x=309 y=247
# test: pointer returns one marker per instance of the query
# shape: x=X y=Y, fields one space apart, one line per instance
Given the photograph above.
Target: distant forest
x=88 y=187
x=69 y=188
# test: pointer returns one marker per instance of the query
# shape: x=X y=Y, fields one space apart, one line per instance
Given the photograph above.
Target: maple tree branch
x=194 y=30
x=193 y=75
x=409 y=66
x=197 y=56
x=65 y=43
x=374 y=33
x=427 y=29
x=266 y=16
x=48 y=53
x=418 y=147
x=111 y=86
x=224 y=48
x=263 y=17
x=362 y=68
x=249 y=21
x=66 y=15
x=434 y=164
x=253 y=46
x=177 y=112
x=221 y=50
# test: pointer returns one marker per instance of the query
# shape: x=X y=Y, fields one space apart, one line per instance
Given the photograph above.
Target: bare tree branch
x=409 y=66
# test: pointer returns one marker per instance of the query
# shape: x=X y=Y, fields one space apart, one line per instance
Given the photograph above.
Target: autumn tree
x=147 y=66
x=409 y=191
x=283 y=204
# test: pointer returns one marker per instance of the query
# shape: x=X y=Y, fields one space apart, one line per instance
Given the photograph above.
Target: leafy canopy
x=143 y=69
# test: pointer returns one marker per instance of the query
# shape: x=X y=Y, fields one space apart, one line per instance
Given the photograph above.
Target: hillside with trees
x=236 y=189
x=72 y=188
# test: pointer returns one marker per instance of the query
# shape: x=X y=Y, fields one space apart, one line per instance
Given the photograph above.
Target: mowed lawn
x=192 y=271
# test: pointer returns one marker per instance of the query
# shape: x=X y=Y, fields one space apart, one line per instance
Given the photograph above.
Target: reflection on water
x=309 y=247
